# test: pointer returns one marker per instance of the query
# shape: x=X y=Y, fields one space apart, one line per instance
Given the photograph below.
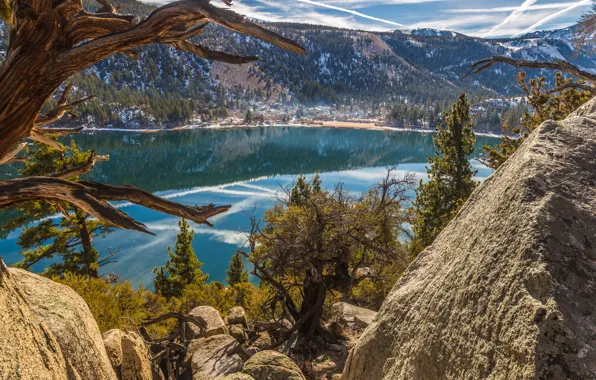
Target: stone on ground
x=237 y=331
x=351 y=316
x=215 y=325
x=214 y=357
x=136 y=362
x=112 y=341
x=237 y=316
x=271 y=365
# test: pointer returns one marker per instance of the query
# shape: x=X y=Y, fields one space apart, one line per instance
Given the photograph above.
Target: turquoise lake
x=244 y=168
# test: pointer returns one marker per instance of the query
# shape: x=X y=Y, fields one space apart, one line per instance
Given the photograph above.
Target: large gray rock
x=271 y=365
x=68 y=317
x=214 y=357
x=215 y=325
x=28 y=349
x=352 y=316
x=508 y=288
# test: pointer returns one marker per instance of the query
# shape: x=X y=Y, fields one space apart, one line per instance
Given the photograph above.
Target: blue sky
x=497 y=18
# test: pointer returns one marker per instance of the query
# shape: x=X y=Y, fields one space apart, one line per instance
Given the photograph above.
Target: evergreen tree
x=248 y=117
x=236 y=273
x=182 y=269
x=69 y=237
x=450 y=176
x=302 y=189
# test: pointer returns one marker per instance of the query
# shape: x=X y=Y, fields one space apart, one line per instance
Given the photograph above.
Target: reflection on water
x=244 y=168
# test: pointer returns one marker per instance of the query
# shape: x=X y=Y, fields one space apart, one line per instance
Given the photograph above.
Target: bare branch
x=58 y=112
x=37 y=135
x=568 y=86
x=198 y=214
x=91 y=196
x=203 y=52
x=557 y=65
x=162 y=21
x=10 y=156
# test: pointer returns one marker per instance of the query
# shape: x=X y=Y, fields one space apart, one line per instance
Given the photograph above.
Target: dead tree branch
x=63 y=107
x=557 y=65
x=10 y=156
x=568 y=86
x=91 y=197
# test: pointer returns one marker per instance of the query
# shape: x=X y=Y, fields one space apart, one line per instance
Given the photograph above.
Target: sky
x=496 y=18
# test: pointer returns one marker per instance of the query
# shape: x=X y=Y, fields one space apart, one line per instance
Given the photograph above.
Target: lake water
x=244 y=168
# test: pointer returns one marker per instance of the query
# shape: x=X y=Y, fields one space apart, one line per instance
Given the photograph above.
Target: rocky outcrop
x=271 y=365
x=69 y=319
x=214 y=357
x=351 y=316
x=215 y=325
x=28 y=349
x=508 y=288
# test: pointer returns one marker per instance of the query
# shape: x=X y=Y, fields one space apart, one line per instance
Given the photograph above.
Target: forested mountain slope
x=165 y=87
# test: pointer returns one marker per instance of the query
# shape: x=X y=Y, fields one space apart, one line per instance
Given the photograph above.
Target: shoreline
x=326 y=124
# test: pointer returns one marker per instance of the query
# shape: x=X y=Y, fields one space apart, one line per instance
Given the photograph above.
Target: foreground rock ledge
x=508 y=289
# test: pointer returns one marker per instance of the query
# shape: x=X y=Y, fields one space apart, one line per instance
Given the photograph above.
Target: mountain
x=417 y=68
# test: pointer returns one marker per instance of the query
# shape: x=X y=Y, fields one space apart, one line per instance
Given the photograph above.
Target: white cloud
x=513 y=16
x=355 y=13
x=534 y=7
x=555 y=16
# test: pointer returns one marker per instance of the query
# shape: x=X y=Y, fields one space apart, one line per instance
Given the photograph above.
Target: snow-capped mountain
x=342 y=67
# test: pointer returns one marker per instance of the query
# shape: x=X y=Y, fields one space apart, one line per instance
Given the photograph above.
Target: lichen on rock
x=508 y=288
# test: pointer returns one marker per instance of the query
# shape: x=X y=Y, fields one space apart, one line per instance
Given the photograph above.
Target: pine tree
x=182 y=269
x=248 y=119
x=302 y=189
x=69 y=237
x=450 y=176
x=236 y=273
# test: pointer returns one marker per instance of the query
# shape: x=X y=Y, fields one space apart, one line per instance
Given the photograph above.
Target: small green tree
x=183 y=267
x=236 y=273
x=69 y=237
x=248 y=119
x=450 y=176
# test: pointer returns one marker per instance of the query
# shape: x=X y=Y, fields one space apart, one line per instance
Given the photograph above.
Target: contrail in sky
x=515 y=14
x=352 y=12
x=555 y=15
